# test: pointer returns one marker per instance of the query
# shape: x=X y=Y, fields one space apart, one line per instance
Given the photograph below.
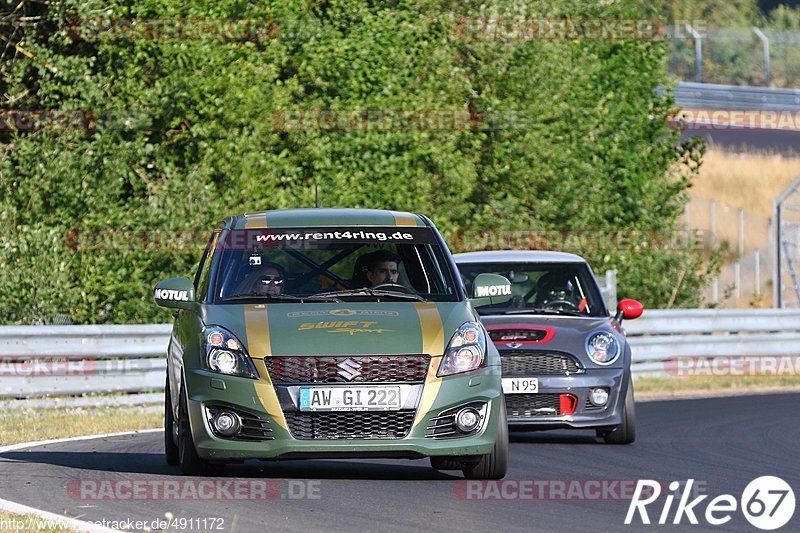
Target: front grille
x=525 y=405
x=525 y=363
x=516 y=334
x=350 y=424
x=298 y=370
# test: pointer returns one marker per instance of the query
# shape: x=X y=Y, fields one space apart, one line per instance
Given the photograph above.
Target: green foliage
x=568 y=135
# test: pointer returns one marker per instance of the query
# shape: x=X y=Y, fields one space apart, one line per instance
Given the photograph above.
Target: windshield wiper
x=281 y=298
x=543 y=311
x=365 y=291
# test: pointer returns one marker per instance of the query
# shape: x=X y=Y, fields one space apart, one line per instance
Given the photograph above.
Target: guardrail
x=37 y=361
x=690 y=95
x=661 y=337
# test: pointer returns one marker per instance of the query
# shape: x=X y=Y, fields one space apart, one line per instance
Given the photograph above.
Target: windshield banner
x=253 y=239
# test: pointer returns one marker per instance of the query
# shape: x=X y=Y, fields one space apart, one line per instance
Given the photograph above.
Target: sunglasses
x=266 y=280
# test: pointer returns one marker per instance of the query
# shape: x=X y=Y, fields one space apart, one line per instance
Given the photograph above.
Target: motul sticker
x=493 y=290
x=170 y=294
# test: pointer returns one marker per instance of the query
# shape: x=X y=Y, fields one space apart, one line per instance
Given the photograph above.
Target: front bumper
x=586 y=415
x=260 y=399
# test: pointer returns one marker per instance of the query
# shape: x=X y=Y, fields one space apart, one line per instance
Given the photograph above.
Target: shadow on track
x=153 y=463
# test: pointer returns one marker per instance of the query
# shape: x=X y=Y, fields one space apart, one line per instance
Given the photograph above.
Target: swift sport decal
x=343 y=326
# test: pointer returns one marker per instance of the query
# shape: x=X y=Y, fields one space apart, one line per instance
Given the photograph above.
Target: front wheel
x=191 y=463
x=625 y=433
x=171 y=452
x=495 y=464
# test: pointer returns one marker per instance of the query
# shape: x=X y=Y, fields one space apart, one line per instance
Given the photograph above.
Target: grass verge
x=24 y=425
x=676 y=387
x=28 y=522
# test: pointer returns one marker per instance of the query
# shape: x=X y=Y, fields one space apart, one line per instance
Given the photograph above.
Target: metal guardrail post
x=765 y=41
x=698 y=53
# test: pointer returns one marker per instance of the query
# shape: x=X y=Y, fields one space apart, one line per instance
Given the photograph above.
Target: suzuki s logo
x=350 y=369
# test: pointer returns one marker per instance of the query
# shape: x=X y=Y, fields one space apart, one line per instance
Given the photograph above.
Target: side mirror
x=177 y=293
x=490 y=289
x=629 y=309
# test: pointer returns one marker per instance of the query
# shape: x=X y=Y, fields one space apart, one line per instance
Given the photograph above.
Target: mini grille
x=326 y=369
x=525 y=405
x=521 y=363
x=508 y=335
x=350 y=424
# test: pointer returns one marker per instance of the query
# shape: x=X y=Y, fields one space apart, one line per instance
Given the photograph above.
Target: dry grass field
x=750 y=180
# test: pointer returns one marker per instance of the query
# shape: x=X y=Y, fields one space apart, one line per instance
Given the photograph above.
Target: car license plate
x=350 y=399
x=520 y=385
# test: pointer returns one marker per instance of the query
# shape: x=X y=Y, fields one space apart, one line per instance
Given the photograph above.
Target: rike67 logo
x=767 y=503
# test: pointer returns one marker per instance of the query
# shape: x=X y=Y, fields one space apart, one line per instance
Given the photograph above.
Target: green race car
x=328 y=333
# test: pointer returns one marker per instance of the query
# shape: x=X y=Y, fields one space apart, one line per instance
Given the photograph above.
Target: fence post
x=757 y=259
x=611 y=289
x=713 y=222
x=767 y=69
x=737 y=280
x=741 y=231
x=698 y=53
x=686 y=216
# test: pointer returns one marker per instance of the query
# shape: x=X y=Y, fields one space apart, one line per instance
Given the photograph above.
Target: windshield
x=540 y=288
x=333 y=264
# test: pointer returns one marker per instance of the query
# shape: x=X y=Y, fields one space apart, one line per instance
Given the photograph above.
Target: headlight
x=602 y=348
x=225 y=354
x=466 y=351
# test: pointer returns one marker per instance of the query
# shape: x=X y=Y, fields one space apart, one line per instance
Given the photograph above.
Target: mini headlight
x=225 y=354
x=466 y=350
x=602 y=348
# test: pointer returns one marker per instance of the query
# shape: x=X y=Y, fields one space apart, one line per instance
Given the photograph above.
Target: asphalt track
x=784 y=142
x=723 y=443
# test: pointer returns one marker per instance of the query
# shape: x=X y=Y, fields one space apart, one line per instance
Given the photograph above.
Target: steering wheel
x=393 y=287
x=560 y=305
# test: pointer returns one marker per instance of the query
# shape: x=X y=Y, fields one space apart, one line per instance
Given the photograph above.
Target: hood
x=557 y=333
x=350 y=328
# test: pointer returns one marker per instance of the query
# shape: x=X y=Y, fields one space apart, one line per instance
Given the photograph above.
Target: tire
x=171 y=452
x=191 y=463
x=445 y=463
x=625 y=433
x=495 y=464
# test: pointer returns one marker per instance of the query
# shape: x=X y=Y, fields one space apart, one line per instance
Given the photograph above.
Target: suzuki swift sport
x=332 y=333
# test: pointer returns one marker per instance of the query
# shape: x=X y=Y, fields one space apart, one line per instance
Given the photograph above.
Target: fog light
x=467 y=420
x=227 y=423
x=599 y=396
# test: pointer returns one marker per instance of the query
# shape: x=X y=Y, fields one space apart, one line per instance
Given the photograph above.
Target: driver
x=268 y=280
x=553 y=288
x=382 y=268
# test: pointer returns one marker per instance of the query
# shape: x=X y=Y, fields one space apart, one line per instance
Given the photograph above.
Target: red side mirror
x=630 y=309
